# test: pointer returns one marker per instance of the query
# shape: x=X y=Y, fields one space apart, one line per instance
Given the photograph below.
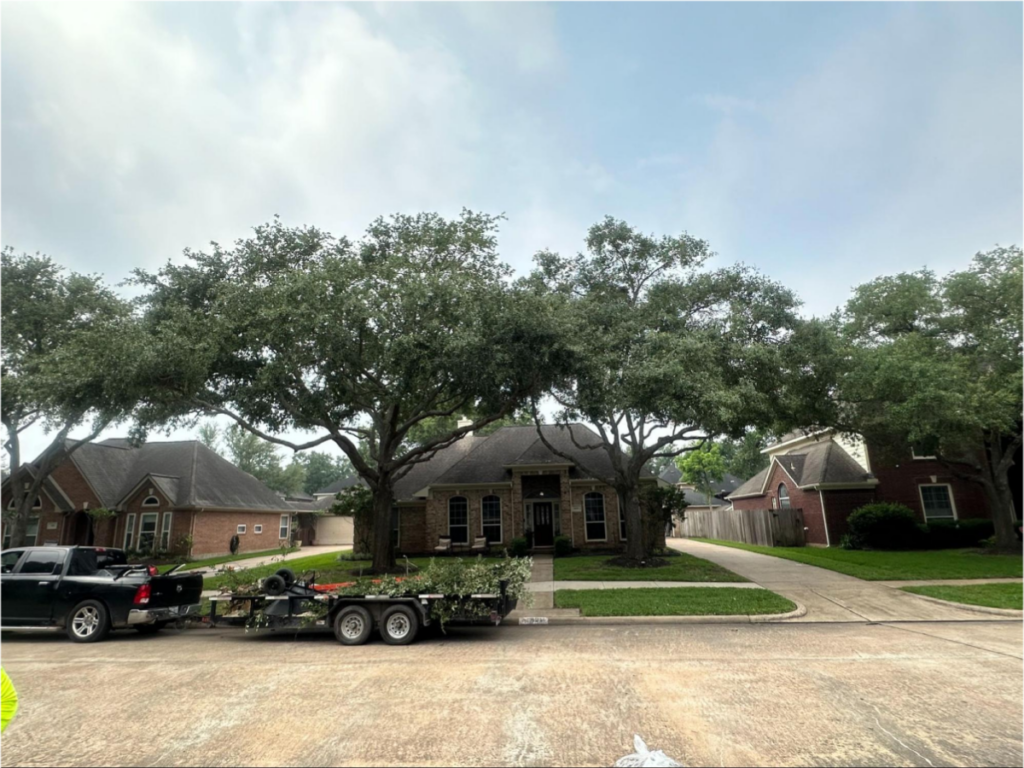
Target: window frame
x=156 y=529
x=492 y=498
x=588 y=497
x=949 y=493
x=284 y=523
x=240 y=529
x=785 y=502
x=129 y=531
x=464 y=526
x=165 y=530
x=257 y=529
x=151 y=501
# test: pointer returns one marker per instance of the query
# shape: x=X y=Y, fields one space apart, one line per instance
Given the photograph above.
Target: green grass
x=990 y=595
x=895 y=566
x=682 y=601
x=210 y=561
x=681 y=568
x=328 y=568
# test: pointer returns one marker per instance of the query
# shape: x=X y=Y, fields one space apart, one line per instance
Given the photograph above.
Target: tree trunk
x=1000 y=496
x=629 y=499
x=383 y=552
x=19 y=524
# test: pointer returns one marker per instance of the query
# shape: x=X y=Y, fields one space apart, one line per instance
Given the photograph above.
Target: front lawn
x=990 y=595
x=681 y=601
x=329 y=569
x=895 y=566
x=211 y=561
x=681 y=568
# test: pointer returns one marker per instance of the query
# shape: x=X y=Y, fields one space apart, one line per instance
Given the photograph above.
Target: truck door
x=34 y=583
x=8 y=597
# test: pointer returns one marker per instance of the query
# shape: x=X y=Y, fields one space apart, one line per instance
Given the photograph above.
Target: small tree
x=744 y=456
x=322 y=469
x=293 y=329
x=703 y=468
x=70 y=351
x=937 y=364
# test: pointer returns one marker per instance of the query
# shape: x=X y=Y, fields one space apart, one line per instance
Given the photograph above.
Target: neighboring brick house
x=163 y=493
x=505 y=484
x=828 y=476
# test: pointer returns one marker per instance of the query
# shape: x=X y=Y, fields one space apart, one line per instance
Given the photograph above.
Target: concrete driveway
x=811 y=694
x=827 y=595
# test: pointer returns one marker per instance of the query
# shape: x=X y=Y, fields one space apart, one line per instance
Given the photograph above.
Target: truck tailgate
x=176 y=589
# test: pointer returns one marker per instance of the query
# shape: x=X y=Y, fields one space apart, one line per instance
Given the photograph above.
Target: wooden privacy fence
x=767 y=527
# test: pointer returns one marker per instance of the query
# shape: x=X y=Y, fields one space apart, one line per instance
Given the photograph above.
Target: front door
x=543 y=524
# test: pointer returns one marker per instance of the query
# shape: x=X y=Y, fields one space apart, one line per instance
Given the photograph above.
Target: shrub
x=563 y=546
x=519 y=547
x=883 y=525
x=953 y=534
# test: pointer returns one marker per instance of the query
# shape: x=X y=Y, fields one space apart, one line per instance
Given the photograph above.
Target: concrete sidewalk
x=827 y=595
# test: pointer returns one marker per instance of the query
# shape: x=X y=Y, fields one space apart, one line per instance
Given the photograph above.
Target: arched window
x=783 y=496
x=490 y=513
x=458 y=520
x=593 y=505
x=151 y=501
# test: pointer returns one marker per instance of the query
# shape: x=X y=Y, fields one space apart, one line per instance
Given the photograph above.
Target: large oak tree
x=360 y=342
x=669 y=353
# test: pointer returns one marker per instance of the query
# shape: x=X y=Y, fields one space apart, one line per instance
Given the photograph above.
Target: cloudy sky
x=823 y=143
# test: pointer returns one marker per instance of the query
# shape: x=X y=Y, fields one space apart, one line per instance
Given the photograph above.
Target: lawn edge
x=761 y=618
x=968 y=606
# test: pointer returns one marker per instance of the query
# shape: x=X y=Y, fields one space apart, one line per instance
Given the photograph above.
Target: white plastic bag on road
x=644 y=757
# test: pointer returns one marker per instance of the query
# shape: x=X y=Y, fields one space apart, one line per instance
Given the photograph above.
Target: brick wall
x=48 y=515
x=899 y=481
x=212 y=531
x=807 y=501
x=436 y=514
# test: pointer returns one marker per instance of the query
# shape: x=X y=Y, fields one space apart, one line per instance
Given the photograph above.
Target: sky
x=822 y=143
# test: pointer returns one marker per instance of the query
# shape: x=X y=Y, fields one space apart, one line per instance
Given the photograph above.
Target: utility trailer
x=286 y=603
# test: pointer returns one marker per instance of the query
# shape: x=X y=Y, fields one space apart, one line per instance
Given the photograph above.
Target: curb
x=767 y=618
x=1009 y=612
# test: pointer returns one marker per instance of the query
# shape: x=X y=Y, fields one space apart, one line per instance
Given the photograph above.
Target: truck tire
x=353 y=625
x=88 y=622
x=274 y=585
x=287 y=574
x=399 y=625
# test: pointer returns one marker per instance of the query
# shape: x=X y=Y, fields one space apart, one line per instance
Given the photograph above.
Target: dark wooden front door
x=543 y=524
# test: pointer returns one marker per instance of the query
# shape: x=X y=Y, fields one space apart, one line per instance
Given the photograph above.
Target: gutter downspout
x=824 y=518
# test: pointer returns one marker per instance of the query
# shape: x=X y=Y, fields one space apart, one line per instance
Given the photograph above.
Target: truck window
x=9 y=560
x=45 y=561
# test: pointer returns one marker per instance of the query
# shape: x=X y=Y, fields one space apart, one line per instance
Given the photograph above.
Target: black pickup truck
x=87 y=591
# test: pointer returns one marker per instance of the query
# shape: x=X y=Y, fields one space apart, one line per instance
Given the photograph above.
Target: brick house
x=504 y=485
x=828 y=476
x=162 y=493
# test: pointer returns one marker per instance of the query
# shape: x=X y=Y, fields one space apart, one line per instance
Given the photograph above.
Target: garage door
x=333 y=529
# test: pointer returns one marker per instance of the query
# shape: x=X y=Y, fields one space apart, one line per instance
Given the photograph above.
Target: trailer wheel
x=398 y=625
x=287 y=574
x=274 y=585
x=353 y=625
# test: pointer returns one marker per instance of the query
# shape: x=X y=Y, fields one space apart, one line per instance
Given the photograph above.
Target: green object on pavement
x=8 y=700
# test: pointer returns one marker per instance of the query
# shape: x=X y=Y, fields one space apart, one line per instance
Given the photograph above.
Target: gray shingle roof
x=818 y=463
x=340 y=484
x=187 y=472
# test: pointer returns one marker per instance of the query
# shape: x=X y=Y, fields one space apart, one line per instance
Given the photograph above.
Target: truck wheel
x=274 y=585
x=88 y=622
x=287 y=574
x=353 y=625
x=398 y=625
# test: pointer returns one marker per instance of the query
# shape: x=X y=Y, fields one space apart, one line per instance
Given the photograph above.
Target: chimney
x=464 y=422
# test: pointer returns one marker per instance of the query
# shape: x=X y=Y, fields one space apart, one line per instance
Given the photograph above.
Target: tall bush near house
x=563 y=546
x=883 y=525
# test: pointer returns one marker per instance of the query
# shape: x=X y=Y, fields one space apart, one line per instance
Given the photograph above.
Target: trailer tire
x=399 y=625
x=287 y=574
x=353 y=625
x=274 y=585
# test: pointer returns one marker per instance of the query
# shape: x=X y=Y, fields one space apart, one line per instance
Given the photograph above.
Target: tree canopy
x=70 y=352
x=936 y=363
x=356 y=342
x=669 y=352
x=703 y=468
